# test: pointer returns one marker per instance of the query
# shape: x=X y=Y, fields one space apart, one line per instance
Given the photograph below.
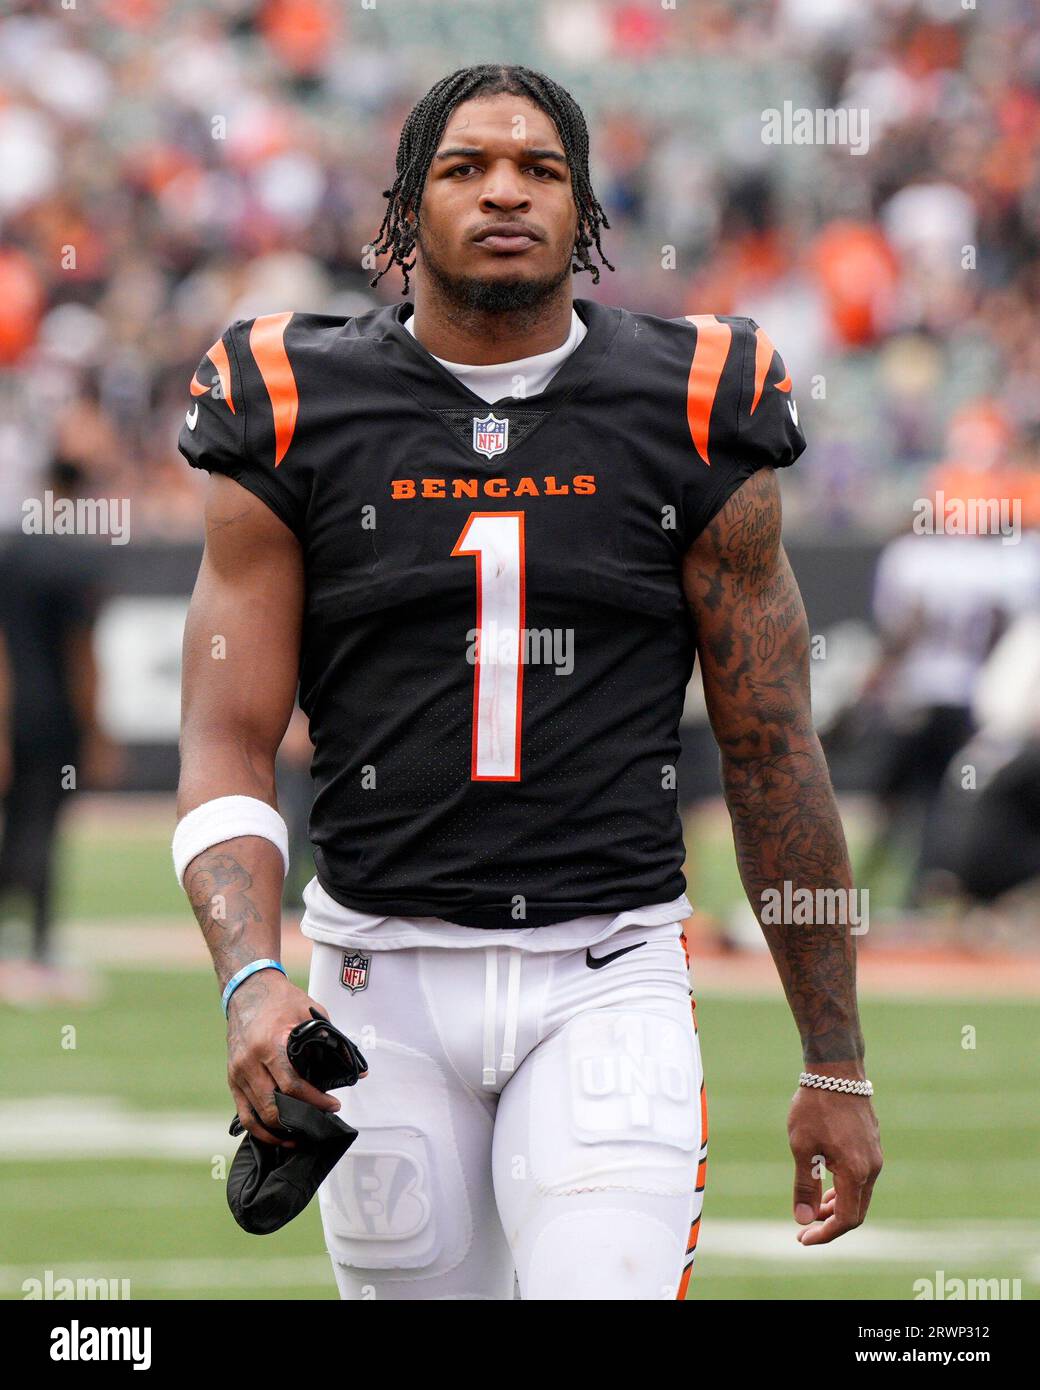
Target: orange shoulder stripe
x=764 y=352
x=709 y=358
x=267 y=344
x=217 y=354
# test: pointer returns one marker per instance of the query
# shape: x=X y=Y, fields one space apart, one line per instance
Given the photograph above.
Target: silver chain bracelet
x=835 y=1083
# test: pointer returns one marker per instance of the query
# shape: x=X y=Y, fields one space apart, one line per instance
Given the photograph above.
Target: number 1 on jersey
x=496 y=541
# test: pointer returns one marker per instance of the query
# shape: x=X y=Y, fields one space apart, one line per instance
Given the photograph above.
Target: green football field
x=113 y=1129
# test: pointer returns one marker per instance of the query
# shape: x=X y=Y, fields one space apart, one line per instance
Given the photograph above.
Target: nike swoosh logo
x=191 y=417
x=784 y=385
x=598 y=962
x=792 y=406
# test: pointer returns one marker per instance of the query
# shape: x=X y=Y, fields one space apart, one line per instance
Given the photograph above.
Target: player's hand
x=263 y=1011
x=842 y=1130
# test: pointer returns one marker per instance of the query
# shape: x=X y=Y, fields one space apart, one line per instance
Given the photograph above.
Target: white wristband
x=226 y=818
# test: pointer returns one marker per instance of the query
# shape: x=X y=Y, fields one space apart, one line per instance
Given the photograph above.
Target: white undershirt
x=327 y=920
x=495 y=381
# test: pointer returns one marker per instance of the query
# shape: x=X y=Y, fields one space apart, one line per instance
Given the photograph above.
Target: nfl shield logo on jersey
x=355 y=971
x=490 y=436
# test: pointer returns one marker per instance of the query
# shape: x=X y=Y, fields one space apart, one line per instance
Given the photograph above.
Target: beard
x=499 y=294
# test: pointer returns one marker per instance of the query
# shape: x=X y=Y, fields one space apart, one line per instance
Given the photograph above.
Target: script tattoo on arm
x=753 y=643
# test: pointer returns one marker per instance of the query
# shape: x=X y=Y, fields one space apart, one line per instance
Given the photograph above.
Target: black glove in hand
x=324 y=1056
x=268 y=1185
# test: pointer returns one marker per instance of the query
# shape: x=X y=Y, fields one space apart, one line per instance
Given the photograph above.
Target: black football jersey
x=496 y=644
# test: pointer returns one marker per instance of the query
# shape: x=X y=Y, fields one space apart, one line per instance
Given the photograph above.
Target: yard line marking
x=67 y=1127
x=145 y=1191
x=217 y=1273
x=734 y=1179
x=775 y=1242
x=973 y=1110
x=104 y=1126
x=751 y=1242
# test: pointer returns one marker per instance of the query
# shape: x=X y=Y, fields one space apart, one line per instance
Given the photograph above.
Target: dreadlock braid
x=421 y=134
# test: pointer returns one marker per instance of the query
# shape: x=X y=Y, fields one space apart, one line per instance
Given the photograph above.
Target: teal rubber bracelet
x=244 y=974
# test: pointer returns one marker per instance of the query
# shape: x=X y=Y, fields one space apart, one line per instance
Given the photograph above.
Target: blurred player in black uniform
x=941 y=602
x=989 y=811
x=52 y=742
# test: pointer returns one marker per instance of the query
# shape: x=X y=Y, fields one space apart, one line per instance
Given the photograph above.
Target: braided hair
x=421 y=134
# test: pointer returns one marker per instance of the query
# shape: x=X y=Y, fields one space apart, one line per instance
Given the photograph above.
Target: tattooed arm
x=753 y=643
x=241 y=654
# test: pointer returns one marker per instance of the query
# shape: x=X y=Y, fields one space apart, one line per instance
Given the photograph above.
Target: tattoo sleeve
x=753 y=643
x=224 y=900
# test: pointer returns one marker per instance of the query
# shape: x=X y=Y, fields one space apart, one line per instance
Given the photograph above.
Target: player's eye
x=535 y=168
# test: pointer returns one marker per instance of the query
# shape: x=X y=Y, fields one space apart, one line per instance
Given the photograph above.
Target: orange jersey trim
x=217 y=354
x=267 y=344
x=709 y=358
x=702 y=1169
x=764 y=353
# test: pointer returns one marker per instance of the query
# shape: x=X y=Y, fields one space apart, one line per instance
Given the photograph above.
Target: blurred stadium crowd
x=170 y=165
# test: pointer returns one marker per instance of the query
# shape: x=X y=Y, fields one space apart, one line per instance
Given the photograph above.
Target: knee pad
x=624 y=1112
x=604 y=1252
x=398 y=1199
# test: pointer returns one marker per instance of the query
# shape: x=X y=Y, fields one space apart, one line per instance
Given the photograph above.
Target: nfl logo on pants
x=355 y=971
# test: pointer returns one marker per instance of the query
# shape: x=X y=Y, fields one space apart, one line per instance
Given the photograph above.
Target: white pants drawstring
x=512 y=1022
x=512 y=1018
x=490 y=1077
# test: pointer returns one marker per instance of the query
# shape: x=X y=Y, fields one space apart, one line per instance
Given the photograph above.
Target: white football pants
x=526 y=1112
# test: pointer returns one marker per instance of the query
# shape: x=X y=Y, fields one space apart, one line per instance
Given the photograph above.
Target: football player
x=487 y=531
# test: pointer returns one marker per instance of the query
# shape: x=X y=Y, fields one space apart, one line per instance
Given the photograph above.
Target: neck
x=481 y=338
